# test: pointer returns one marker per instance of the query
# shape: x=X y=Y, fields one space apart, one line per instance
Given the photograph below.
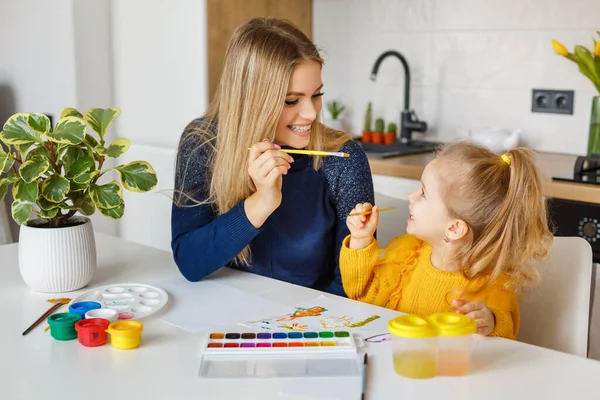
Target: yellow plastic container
x=414 y=346
x=455 y=335
x=125 y=335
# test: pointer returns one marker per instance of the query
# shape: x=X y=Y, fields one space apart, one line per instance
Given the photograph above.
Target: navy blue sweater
x=299 y=242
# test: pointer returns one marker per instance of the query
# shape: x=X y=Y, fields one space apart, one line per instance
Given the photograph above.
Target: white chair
x=555 y=314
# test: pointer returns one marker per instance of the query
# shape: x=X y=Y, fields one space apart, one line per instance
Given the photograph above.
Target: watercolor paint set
x=315 y=354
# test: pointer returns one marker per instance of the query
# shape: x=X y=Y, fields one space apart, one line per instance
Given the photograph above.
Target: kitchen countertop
x=551 y=164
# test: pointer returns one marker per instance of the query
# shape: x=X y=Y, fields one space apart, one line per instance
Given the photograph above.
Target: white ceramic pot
x=54 y=260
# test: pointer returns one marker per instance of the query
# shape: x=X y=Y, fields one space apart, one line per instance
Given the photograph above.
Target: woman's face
x=302 y=104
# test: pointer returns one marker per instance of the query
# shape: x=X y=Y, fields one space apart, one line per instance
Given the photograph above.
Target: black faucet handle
x=415 y=124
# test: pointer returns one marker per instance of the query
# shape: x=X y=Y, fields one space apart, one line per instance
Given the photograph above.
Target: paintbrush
x=315 y=152
x=370 y=211
x=44 y=316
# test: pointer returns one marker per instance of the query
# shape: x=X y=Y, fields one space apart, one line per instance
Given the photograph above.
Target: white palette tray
x=131 y=300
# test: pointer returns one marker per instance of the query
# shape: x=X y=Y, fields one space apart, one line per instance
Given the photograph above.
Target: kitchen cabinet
x=223 y=16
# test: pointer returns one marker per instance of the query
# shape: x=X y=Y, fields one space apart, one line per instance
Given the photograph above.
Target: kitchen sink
x=399 y=149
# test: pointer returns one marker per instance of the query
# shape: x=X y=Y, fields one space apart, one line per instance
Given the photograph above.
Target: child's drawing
x=336 y=322
x=363 y=322
x=345 y=322
x=294 y=327
x=303 y=312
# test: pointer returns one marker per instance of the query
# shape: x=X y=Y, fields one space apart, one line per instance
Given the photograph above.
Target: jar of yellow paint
x=125 y=335
x=455 y=336
x=414 y=346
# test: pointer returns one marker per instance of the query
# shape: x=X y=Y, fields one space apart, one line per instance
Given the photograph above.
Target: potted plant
x=390 y=135
x=378 y=134
x=367 y=133
x=335 y=109
x=589 y=65
x=55 y=175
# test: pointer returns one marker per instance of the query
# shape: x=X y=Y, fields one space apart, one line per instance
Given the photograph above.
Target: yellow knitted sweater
x=401 y=277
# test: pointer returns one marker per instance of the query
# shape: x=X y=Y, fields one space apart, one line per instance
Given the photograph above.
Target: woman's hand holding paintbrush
x=266 y=166
x=362 y=222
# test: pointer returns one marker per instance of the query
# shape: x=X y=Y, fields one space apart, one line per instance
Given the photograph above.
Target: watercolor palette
x=280 y=355
x=318 y=341
x=131 y=300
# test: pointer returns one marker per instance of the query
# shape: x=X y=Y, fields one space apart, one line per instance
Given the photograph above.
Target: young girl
x=263 y=210
x=475 y=223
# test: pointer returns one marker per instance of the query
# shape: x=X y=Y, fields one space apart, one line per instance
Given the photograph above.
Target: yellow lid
x=452 y=324
x=411 y=326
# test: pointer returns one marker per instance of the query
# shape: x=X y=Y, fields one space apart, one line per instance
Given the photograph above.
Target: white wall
x=37 y=63
x=93 y=75
x=161 y=84
x=473 y=63
x=37 y=54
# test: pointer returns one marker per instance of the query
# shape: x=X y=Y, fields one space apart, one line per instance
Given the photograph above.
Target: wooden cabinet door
x=223 y=16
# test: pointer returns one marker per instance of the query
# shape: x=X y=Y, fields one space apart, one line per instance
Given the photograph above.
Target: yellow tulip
x=559 y=48
x=597 y=49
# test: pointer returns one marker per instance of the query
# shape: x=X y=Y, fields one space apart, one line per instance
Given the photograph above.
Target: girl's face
x=302 y=104
x=429 y=218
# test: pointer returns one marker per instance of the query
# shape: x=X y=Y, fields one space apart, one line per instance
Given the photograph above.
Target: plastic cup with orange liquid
x=455 y=338
x=414 y=346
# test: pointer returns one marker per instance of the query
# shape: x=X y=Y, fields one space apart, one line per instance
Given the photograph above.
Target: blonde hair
x=500 y=199
x=248 y=103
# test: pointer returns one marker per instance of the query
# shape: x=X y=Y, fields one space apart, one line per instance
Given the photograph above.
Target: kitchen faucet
x=409 y=121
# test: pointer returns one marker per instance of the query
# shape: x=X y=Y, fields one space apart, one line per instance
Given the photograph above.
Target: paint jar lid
x=105 y=313
x=63 y=320
x=125 y=328
x=411 y=326
x=92 y=325
x=83 y=306
x=452 y=324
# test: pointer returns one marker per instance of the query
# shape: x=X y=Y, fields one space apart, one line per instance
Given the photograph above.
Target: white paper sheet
x=200 y=306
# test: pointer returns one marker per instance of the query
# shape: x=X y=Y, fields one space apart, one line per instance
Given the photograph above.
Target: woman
x=263 y=210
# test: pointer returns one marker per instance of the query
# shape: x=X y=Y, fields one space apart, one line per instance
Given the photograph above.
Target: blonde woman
x=475 y=223
x=263 y=210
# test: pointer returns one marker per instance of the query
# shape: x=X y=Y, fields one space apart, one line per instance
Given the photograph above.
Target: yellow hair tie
x=505 y=158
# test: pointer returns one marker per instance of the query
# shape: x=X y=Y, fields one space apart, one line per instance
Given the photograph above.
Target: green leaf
x=17 y=131
x=70 y=112
x=33 y=169
x=47 y=214
x=87 y=206
x=4 y=159
x=21 y=212
x=86 y=177
x=107 y=196
x=55 y=188
x=69 y=130
x=39 y=153
x=80 y=166
x=71 y=156
x=137 y=176
x=4 y=184
x=22 y=148
x=45 y=204
x=12 y=178
x=100 y=119
x=25 y=192
x=116 y=149
x=39 y=123
x=114 y=213
x=77 y=187
x=90 y=141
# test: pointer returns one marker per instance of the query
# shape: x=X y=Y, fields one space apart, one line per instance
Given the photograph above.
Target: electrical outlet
x=552 y=101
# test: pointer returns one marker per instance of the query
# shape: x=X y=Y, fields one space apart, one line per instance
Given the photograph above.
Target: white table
x=166 y=365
